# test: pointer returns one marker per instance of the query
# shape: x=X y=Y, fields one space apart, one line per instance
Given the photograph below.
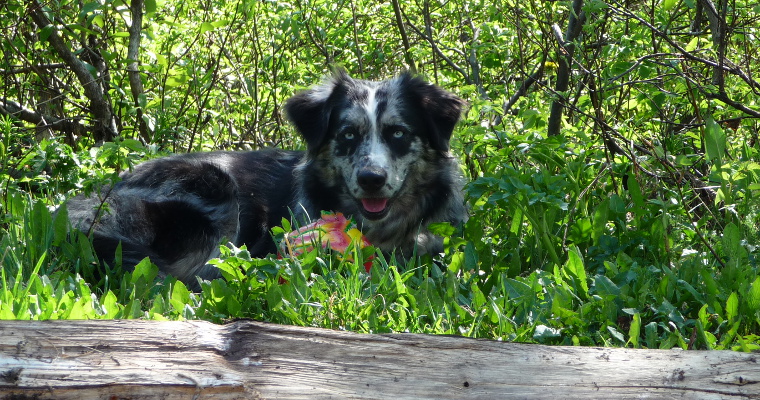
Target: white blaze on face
x=374 y=153
x=372 y=120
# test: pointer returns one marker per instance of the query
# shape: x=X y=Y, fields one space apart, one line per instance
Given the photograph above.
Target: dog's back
x=176 y=210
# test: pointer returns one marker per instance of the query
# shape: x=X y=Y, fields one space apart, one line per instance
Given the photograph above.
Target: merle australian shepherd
x=377 y=151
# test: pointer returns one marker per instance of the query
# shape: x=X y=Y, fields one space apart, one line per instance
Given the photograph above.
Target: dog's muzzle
x=372 y=180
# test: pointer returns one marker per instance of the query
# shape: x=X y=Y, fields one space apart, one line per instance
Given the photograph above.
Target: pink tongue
x=374 y=205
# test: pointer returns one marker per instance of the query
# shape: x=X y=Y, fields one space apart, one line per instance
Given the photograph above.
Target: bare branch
x=354 y=31
x=522 y=90
x=133 y=68
x=718 y=31
x=31 y=68
x=105 y=129
x=16 y=110
x=722 y=96
x=726 y=65
x=404 y=37
x=472 y=59
x=565 y=58
x=440 y=53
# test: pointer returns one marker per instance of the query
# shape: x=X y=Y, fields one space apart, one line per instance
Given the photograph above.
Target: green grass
x=530 y=265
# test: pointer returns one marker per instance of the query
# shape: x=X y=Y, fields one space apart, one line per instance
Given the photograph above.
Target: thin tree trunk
x=404 y=37
x=133 y=68
x=565 y=60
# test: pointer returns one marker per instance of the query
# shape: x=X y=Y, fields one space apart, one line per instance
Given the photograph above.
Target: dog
x=377 y=151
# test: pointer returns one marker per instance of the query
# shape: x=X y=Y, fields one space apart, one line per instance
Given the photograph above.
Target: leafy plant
x=611 y=150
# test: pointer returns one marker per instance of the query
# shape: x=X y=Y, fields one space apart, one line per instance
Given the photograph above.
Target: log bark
x=253 y=360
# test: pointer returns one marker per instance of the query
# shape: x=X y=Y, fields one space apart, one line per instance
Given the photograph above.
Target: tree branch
x=31 y=68
x=565 y=59
x=472 y=59
x=16 y=110
x=440 y=53
x=722 y=96
x=526 y=84
x=133 y=68
x=725 y=66
x=718 y=31
x=404 y=37
x=105 y=124
x=522 y=90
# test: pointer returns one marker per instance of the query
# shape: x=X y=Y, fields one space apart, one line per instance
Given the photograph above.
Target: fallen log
x=121 y=359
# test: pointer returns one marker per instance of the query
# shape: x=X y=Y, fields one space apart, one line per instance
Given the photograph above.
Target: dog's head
x=368 y=137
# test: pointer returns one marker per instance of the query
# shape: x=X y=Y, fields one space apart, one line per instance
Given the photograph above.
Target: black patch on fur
x=439 y=109
x=399 y=146
x=346 y=146
x=311 y=111
x=179 y=229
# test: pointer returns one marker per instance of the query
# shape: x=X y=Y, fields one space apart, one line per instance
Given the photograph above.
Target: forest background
x=611 y=150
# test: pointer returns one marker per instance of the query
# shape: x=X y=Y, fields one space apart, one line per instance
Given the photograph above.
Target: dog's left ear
x=442 y=109
x=310 y=110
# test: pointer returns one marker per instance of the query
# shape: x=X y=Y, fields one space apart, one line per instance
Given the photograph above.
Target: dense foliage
x=612 y=150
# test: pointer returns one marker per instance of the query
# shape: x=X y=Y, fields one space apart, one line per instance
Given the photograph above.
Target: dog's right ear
x=310 y=110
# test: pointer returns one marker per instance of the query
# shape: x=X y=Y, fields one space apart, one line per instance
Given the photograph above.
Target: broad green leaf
x=543 y=332
x=616 y=334
x=574 y=266
x=275 y=298
x=692 y=44
x=732 y=307
x=731 y=240
x=651 y=335
x=605 y=288
x=207 y=26
x=667 y=5
x=150 y=6
x=441 y=229
x=159 y=306
x=60 y=226
x=599 y=223
x=89 y=7
x=634 y=189
x=634 y=331
x=180 y=296
x=715 y=141
x=470 y=257
x=516 y=289
x=46 y=31
x=753 y=297
x=704 y=336
x=110 y=305
x=400 y=287
x=146 y=270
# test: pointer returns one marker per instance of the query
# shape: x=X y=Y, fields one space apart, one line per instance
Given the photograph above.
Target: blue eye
x=398 y=134
x=349 y=135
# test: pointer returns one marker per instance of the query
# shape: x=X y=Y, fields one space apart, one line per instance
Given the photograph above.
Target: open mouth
x=374 y=208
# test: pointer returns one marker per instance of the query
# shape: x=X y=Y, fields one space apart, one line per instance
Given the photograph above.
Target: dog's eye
x=349 y=135
x=398 y=134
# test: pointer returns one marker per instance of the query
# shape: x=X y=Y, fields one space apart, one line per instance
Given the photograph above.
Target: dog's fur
x=378 y=151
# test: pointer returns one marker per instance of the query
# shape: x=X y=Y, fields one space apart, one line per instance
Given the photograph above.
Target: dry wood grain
x=252 y=360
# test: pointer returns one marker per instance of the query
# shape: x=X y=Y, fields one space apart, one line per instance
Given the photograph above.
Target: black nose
x=372 y=179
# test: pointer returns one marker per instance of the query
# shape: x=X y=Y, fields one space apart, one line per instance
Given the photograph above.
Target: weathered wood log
x=253 y=360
